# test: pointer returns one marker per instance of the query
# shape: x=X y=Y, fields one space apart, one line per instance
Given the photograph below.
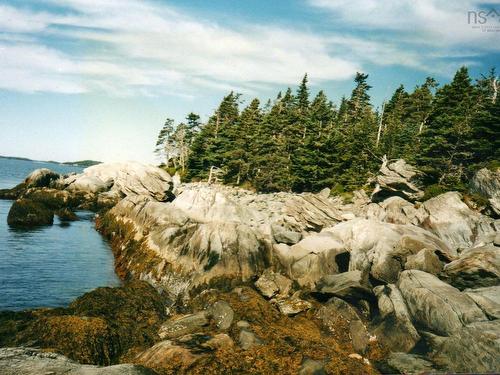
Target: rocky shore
x=224 y=280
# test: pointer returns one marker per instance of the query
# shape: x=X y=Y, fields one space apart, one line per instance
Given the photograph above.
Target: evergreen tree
x=445 y=142
x=485 y=144
x=357 y=142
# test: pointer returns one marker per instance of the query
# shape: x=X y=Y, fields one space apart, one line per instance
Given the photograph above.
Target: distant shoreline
x=79 y=163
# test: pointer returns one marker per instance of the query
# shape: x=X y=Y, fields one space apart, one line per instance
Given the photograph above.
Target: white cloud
x=140 y=47
x=437 y=23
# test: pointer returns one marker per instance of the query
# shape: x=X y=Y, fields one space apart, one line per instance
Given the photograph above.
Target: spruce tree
x=445 y=142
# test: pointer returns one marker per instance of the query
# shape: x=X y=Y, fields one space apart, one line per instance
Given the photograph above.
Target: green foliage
x=432 y=191
x=300 y=142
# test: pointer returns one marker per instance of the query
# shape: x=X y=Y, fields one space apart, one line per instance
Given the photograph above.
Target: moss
x=432 y=191
x=27 y=213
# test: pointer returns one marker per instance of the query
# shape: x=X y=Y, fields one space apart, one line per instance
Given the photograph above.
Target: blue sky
x=96 y=78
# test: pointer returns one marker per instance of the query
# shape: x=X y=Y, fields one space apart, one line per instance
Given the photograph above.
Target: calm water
x=48 y=266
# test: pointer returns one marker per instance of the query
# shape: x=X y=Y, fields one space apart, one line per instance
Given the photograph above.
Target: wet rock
x=98 y=327
x=396 y=178
x=352 y=284
x=27 y=213
x=51 y=198
x=183 y=325
x=222 y=314
x=247 y=339
x=436 y=306
x=271 y=283
x=219 y=341
x=488 y=299
x=30 y=361
x=293 y=305
x=396 y=330
x=404 y=363
x=40 y=178
x=66 y=214
x=425 y=260
x=476 y=267
x=166 y=356
x=312 y=367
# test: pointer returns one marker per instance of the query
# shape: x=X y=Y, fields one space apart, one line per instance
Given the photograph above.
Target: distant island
x=79 y=163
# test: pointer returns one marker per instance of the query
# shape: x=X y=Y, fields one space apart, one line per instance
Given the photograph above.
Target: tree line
x=300 y=143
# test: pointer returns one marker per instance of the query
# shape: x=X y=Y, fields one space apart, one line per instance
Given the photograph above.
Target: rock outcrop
x=396 y=178
x=30 y=361
x=341 y=284
x=487 y=183
x=27 y=213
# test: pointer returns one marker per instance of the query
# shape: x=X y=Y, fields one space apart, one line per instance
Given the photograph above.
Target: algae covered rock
x=27 y=213
x=98 y=328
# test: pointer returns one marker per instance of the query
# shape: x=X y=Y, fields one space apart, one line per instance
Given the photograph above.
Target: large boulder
x=476 y=267
x=396 y=178
x=436 y=306
x=31 y=361
x=396 y=330
x=367 y=245
x=124 y=179
x=27 y=213
x=488 y=299
x=487 y=183
x=40 y=178
x=179 y=249
x=449 y=218
x=472 y=349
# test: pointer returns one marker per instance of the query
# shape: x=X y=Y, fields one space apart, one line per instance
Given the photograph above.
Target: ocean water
x=49 y=266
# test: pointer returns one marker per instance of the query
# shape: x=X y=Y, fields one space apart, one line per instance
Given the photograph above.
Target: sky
x=96 y=79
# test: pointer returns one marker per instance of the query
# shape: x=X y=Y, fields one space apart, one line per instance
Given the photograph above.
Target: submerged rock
x=27 y=213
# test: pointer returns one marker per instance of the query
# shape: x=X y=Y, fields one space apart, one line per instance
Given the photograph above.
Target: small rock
x=355 y=356
x=65 y=214
x=293 y=305
x=271 y=284
x=312 y=367
x=243 y=324
x=281 y=235
x=222 y=313
x=183 y=325
x=425 y=260
x=220 y=340
x=248 y=339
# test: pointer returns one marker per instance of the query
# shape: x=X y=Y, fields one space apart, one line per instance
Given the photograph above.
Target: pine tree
x=164 y=144
x=211 y=142
x=357 y=141
x=485 y=144
x=445 y=142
